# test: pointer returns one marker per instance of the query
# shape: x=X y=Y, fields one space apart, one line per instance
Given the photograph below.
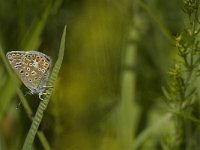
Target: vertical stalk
x=43 y=104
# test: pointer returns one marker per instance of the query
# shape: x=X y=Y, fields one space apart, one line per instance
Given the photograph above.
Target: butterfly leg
x=40 y=95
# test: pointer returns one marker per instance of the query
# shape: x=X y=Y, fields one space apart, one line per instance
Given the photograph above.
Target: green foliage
x=109 y=91
x=183 y=95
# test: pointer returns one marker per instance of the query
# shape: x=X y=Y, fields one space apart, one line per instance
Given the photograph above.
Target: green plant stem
x=43 y=140
x=43 y=104
x=148 y=132
x=160 y=25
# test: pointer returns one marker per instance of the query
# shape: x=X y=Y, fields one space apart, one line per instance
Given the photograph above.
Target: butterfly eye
x=30 y=64
x=28 y=69
x=30 y=80
x=13 y=55
x=16 y=67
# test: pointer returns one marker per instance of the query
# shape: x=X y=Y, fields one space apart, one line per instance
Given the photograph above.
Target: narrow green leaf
x=43 y=104
x=32 y=38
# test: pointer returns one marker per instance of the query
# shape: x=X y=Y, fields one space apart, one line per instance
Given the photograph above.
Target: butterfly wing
x=30 y=67
x=39 y=65
x=20 y=67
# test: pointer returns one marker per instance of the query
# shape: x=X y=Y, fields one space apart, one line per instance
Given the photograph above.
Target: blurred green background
x=108 y=94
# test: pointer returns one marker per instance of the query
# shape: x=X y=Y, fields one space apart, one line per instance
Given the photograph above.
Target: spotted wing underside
x=31 y=67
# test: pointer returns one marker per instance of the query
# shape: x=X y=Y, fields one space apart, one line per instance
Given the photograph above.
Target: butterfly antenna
x=28 y=93
x=47 y=86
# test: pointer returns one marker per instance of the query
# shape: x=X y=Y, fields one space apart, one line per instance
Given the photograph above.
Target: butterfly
x=33 y=68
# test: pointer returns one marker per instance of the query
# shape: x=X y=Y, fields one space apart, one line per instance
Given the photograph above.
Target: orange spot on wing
x=46 y=65
x=42 y=62
x=38 y=59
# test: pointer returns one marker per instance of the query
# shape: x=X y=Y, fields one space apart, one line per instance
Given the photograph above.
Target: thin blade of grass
x=32 y=38
x=43 y=104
